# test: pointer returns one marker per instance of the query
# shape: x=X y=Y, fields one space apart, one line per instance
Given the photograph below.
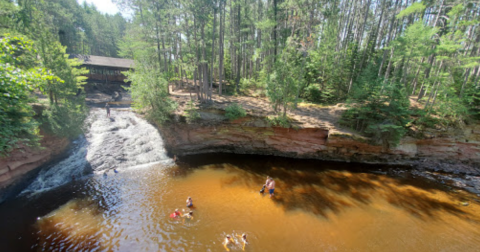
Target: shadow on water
x=323 y=188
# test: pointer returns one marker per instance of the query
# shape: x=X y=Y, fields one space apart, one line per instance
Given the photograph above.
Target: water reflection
x=73 y=227
x=315 y=208
x=331 y=191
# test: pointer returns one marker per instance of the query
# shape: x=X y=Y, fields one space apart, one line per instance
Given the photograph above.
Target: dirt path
x=305 y=116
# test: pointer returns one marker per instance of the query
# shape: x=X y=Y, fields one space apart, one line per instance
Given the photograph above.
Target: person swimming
x=176 y=214
x=244 y=240
x=228 y=240
x=188 y=217
x=189 y=201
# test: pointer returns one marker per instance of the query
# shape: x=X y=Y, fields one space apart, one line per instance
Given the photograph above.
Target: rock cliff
x=453 y=152
x=25 y=159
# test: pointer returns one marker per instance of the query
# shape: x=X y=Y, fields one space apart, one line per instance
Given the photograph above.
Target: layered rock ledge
x=24 y=160
x=456 y=151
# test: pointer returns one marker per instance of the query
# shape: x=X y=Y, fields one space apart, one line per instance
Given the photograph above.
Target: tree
x=149 y=91
x=20 y=74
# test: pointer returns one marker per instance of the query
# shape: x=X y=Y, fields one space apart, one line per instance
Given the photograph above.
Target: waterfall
x=118 y=142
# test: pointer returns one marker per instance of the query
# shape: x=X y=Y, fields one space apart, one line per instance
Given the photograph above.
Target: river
x=319 y=206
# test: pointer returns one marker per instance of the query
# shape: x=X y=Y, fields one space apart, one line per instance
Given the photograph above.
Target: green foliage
x=316 y=94
x=378 y=109
x=234 y=111
x=284 y=83
x=80 y=27
x=149 y=92
x=423 y=120
x=414 y=8
x=280 y=121
x=65 y=119
x=17 y=80
x=191 y=112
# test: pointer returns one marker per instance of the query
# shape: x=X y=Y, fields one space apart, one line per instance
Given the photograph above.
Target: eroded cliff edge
x=25 y=160
x=455 y=151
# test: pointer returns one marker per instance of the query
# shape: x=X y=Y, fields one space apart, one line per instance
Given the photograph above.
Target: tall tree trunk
x=431 y=58
x=392 y=24
x=197 y=65
x=220 y=48
x=213 y=50
x=239 y=51
x=467 y=74
x=415 y=79
x=275 y=30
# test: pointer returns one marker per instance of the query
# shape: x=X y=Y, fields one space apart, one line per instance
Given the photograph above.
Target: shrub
x=191 y=113
x=149 y=92
x=379 y=110
x=281 y=121
x=314 y=94
x=65 y=119
x=234 y=111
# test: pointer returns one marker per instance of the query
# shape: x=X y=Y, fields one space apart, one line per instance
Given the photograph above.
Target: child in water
x=228 y=240
x=244 y=240
x=188 y=216
x=189 y=202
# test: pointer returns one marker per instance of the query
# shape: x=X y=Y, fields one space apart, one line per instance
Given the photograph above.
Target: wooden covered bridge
x=104 y=69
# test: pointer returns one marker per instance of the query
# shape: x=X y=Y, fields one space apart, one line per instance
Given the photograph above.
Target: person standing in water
x=244 y=240
x=228 y=241
x=189 y=202
x=271 y=186
x=107 y=107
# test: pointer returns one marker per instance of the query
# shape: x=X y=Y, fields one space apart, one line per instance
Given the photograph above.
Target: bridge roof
x=103 y=61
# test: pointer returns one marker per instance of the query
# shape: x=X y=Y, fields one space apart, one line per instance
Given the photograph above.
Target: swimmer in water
x=228 y=240
x=244 y=240
x=188 y=217
x=189 y=202
x=176 y=214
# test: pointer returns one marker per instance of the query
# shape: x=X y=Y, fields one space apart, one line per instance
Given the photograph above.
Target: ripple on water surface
x=318 y=206
x=319 y=210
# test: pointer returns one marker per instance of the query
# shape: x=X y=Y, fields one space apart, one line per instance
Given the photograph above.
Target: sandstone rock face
x=248 y=136
x=25 y=159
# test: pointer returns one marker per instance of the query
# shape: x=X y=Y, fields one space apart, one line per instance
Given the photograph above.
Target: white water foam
x=119 y=142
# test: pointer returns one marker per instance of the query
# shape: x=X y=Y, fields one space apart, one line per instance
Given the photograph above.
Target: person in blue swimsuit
x=189 y=202
x=271 y=186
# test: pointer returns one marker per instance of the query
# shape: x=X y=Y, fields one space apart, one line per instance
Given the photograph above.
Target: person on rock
x=107 y=107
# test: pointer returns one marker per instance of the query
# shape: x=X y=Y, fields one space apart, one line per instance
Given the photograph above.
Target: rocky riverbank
x=24 y=161
x=316 y=134
x=454 y=152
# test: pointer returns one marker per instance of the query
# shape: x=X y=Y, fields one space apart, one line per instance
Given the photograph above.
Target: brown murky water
x=316 y=208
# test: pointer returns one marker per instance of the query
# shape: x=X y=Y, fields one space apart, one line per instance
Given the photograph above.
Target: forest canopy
x=35 y=40
x=377 y=56
x=383 y=52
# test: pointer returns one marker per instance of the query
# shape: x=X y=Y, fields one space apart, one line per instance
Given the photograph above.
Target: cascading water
x=117 y=142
